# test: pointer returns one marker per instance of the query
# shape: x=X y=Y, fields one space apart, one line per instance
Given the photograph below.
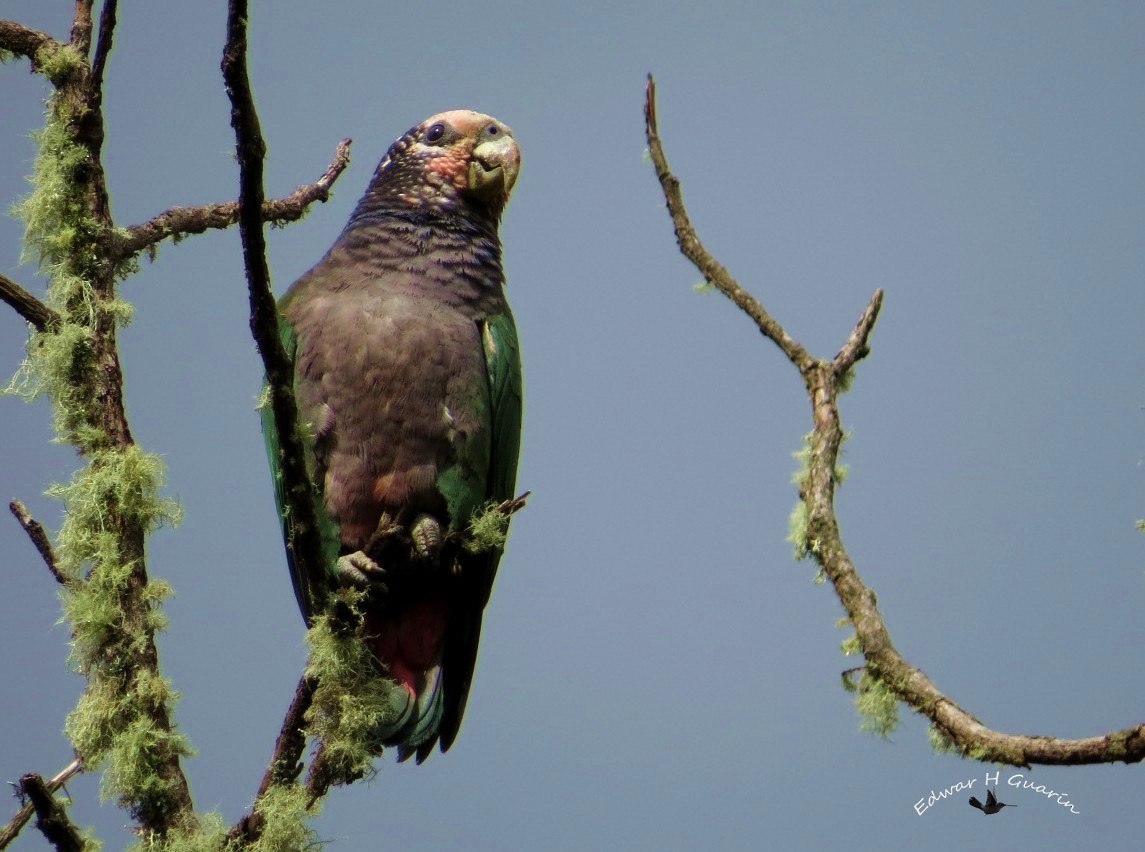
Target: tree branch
x=102 y=49
x=81 y=27
x=298 y=491
x=285 y=764
x=824 y=541
x=51 y=817
x=856 y=349
x=9 y=832
x=24 y=41
x=91 y=390
x=26 y=305
x=39 y=539
x=181 y=221
x=691 y=247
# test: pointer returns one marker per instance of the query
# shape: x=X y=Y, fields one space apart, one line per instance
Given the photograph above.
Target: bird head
x=458 y=161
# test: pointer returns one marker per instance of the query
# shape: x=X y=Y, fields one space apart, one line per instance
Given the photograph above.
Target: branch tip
x=40 y=540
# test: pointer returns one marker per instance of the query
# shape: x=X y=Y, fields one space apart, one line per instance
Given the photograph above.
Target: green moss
x=939 y=742
x=58 y=61
x=487 y=530
x=65 y=238
x=209 y=836
x=128 y=479
x=797 y=531
x=797 y=520
x=55 y=212
x=134 y=760
x=877 y=705
x=286 y=827
x=114 y=720
x=851 y=646
x=354 y=707
x=90 y=842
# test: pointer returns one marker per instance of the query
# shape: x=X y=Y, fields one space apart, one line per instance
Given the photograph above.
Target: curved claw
x=359 y=570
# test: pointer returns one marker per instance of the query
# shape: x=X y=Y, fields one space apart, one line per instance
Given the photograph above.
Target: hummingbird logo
x=992 y=805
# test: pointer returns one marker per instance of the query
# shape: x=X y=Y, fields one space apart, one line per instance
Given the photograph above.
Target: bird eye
x=492 y=129
x=435 y=133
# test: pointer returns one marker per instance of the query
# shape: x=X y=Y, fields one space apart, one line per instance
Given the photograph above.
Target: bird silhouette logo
x=992 y=805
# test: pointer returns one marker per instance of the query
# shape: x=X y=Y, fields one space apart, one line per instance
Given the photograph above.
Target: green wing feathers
x=503 y=361
x=329 y=528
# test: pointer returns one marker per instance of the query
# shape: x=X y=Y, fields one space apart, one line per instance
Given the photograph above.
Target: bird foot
x=427 y=536
x=360 y=571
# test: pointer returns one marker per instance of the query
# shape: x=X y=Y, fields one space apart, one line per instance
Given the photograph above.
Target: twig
x=51 y=817
x=514 y=505
x=883 y=661
x=27 y=305
x=13 y=827
x=855 y=349
x=694 y=250
x=40 y=541
x=285 y=764
x=298 y=492
x=181 y=221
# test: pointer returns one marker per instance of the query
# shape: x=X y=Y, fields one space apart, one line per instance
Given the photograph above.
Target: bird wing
x=503 y=365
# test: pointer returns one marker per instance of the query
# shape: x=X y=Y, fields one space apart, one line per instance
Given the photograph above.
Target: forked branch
x=824 y=380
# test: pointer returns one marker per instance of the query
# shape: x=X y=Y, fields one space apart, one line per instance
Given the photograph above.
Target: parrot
x=407 y=375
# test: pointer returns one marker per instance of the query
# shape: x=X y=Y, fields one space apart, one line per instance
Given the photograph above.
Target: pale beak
x=493 y=167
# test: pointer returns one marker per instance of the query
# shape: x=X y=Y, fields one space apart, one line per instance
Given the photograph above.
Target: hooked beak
x=493 y=167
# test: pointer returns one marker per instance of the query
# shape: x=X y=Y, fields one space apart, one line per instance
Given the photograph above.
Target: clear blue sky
x=656 y=672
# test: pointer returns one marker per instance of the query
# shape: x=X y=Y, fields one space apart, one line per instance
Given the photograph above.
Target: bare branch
x=81 y=27
x=26 y=305
x=824 y=541
x=694 y=250
x=13 y=827
x=515 y=504
x=298 y=491
x=24 y=41
x=102 y=49
x=855 y=349
x=181 y=221
x=40 y=541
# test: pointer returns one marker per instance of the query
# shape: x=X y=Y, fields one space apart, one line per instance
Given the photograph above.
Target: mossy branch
x=887 y=676
x=22 y=41
x=124 y=716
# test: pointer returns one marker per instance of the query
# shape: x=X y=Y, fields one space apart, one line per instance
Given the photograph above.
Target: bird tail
x=409 y=645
